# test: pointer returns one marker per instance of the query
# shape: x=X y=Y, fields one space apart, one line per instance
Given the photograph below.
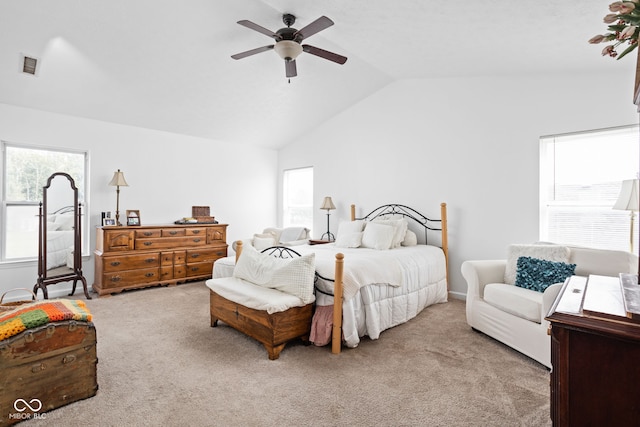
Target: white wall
x=472 y=143
x=167 y=175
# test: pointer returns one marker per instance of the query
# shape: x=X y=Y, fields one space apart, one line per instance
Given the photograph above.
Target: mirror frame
x=45 y=277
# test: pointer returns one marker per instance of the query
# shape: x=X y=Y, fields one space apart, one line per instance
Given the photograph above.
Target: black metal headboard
x=395 y=209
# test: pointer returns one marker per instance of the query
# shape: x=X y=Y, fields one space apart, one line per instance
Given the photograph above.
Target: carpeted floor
x=160 y=363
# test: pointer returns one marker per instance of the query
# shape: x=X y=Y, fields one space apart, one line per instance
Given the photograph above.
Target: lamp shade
x=288 y=49
x=628 y=198
x=327 y=204
x=118 y=180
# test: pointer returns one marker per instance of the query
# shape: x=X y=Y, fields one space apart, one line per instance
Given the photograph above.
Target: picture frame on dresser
x=133 y=218
x=108 y=222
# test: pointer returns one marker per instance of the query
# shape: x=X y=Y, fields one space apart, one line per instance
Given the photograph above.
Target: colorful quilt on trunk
x=40 y=313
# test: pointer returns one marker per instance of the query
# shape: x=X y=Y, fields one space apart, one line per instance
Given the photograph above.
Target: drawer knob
x=115 y=263
x=196 y=231
x=147 y=233
x=150 y=260
x=195 y=255
x=149 y=275
x=220 y=253
x=195 y=268
x=116 y=278
x=197 y=240
x=173 y=232
x=148 y=243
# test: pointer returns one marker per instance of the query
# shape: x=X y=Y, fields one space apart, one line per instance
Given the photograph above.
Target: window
x=581 y=176
x=26 y=170
x=297 y=197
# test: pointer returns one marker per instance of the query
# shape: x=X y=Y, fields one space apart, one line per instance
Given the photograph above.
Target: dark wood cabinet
x=595 y=379
x=137 y=257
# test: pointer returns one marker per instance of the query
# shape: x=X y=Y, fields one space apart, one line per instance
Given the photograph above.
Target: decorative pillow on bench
x=538 y=275
x=294 y=276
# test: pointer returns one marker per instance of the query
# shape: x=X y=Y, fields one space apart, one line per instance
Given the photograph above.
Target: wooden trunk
x=45 y=368
x=272 y=330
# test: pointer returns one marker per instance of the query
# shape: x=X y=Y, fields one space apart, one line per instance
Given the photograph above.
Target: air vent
x=29 y=65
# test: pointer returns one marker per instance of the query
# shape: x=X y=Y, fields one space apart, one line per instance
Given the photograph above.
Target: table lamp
x=328 y=205
x=118 y=181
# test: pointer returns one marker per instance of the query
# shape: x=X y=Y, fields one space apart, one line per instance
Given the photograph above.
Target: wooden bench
x=274 y=330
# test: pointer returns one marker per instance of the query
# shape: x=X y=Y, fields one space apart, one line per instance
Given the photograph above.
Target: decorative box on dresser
x=595 y=351
x=142 y=256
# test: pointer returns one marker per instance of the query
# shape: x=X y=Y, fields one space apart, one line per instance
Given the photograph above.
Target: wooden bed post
x=336 y=339
x=445 y=240
x=238 y=249
x=353 y=212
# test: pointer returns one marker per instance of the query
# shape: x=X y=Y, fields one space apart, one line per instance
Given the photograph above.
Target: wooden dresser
x=138 y=257
x=595 y=380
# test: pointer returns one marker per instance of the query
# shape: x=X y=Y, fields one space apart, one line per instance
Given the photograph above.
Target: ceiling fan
x=288 y=42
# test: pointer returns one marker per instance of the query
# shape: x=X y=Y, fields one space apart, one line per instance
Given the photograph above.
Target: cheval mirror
x=59 y=235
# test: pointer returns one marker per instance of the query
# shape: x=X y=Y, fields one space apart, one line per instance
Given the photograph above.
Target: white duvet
x=382 y=288
x=59 y=246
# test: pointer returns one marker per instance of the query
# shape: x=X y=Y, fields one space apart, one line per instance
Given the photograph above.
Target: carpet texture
x=160 y=363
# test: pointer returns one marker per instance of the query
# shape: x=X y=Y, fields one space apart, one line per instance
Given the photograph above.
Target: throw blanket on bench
x=40 y=313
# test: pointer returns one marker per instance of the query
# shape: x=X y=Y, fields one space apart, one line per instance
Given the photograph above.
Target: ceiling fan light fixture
x=288 y=49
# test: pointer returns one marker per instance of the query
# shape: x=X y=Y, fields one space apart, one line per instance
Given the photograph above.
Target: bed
x=374 y=289
x=60 y=238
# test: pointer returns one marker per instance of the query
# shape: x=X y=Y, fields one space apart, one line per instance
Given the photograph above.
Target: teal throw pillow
x=538 y=274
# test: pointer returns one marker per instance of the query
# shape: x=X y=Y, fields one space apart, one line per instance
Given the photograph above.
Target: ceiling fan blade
x=324 y=54
x=290 y=68
x=252 y=52
x=260 y=29
x=315 y=27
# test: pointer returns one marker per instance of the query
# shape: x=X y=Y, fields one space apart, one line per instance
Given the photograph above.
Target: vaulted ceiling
x=166 y=64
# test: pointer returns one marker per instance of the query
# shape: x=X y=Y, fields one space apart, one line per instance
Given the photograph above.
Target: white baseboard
x=458 y=295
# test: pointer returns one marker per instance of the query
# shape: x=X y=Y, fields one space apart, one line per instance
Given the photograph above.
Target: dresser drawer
x=173 y=232
x=131 y=262
x=166 y=273
x=147 y=233
x=179 y=257
x=201 y=255
x=166 y=258
x=118 y=240
x=170 y=242
x=200 y=269
x=180 y=271
x=195 y=231
x=217 y=235
x=130 y=277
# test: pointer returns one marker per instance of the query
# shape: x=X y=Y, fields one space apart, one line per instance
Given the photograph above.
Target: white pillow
x=293 y=276
x=349 y=234
x=377 y=236
x=400 y=228
x=292 y=234
x=349 y=240
x=555 y=253
x=263 y=241
x=64 y=221
x=410 y=239
x=52 y=226
x=275 y=232
x=351 y=226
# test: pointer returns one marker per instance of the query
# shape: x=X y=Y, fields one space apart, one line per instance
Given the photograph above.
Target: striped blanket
x=40 y=313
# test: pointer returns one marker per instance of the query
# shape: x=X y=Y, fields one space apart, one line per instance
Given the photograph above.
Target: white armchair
x=515 y=315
